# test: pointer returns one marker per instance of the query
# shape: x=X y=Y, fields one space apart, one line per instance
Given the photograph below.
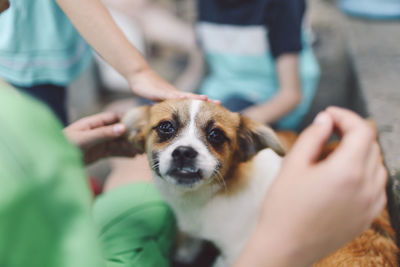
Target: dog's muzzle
x=183 y=165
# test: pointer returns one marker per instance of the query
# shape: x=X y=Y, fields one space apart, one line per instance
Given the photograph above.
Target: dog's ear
x=254 y=136
x=135 y=121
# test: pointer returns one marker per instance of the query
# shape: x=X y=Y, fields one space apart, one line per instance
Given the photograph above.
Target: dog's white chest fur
x=227 y=220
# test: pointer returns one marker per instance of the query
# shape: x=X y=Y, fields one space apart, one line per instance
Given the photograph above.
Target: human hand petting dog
x=99 y=136
x=315 y=207
x=150 y=85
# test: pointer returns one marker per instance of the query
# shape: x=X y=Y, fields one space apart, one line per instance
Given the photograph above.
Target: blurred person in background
x=41 y=52
x=260 y=60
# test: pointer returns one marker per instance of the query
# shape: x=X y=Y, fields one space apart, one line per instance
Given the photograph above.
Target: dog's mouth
x=185 y=175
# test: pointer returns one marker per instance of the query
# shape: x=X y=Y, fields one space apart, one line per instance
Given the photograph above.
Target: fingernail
x=119 y=128
x=321 y=118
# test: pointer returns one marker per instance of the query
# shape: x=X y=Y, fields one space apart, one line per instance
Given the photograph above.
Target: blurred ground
x=338 y=85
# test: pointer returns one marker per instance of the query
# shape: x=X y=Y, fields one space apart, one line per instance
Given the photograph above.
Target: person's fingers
x=199 y=97
x=345 y=120
x=161 y=90
x=174 y=94
x=170 y=92
x=95 y=121
x=215 y=101
x=186 y=95
x=102 y=119
x=308 y=146
x=103 y=134
x=357 y=136
x=149 y=85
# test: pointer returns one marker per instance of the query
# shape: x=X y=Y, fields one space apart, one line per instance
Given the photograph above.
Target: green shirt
x=46 y=207
x=45 y=204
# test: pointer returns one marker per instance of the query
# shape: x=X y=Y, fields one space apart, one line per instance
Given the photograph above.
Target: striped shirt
x=241 y=41
x=252 y=26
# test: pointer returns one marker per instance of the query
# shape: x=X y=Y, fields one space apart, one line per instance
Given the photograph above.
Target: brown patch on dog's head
x=141 y=121
x=172 y=113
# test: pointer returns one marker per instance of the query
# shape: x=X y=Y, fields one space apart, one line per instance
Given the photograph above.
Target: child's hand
x=330 y=201
x=99 y=136
x=149 y=85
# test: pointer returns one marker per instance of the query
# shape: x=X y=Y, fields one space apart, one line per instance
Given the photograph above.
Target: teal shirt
x=253 y=77
x=38 y=44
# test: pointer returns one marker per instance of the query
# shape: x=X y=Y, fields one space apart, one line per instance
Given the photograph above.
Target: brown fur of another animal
x=375 y=247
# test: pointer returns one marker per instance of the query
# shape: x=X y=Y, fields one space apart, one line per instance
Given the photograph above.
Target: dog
x=214 y=167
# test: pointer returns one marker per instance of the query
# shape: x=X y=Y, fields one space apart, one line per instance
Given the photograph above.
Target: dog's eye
x=165 y=130
x=216 y=136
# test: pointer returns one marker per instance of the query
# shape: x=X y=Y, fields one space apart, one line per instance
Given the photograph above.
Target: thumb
x=103 y=134
x=308 y=146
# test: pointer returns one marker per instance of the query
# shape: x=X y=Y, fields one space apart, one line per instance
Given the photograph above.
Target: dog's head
x=192 y=143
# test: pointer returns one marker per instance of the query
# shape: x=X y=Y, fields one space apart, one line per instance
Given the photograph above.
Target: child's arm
x=95 y=24
x=161 y=26
x=285 y=42
x=288 y=96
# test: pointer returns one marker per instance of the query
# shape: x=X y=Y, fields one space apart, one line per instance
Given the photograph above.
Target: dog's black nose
x=184 y=152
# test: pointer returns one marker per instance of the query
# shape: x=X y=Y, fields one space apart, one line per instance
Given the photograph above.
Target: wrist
x=137 y=77
x=137 y=71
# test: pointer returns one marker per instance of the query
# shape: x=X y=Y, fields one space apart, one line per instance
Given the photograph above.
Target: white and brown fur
x=218 y=195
